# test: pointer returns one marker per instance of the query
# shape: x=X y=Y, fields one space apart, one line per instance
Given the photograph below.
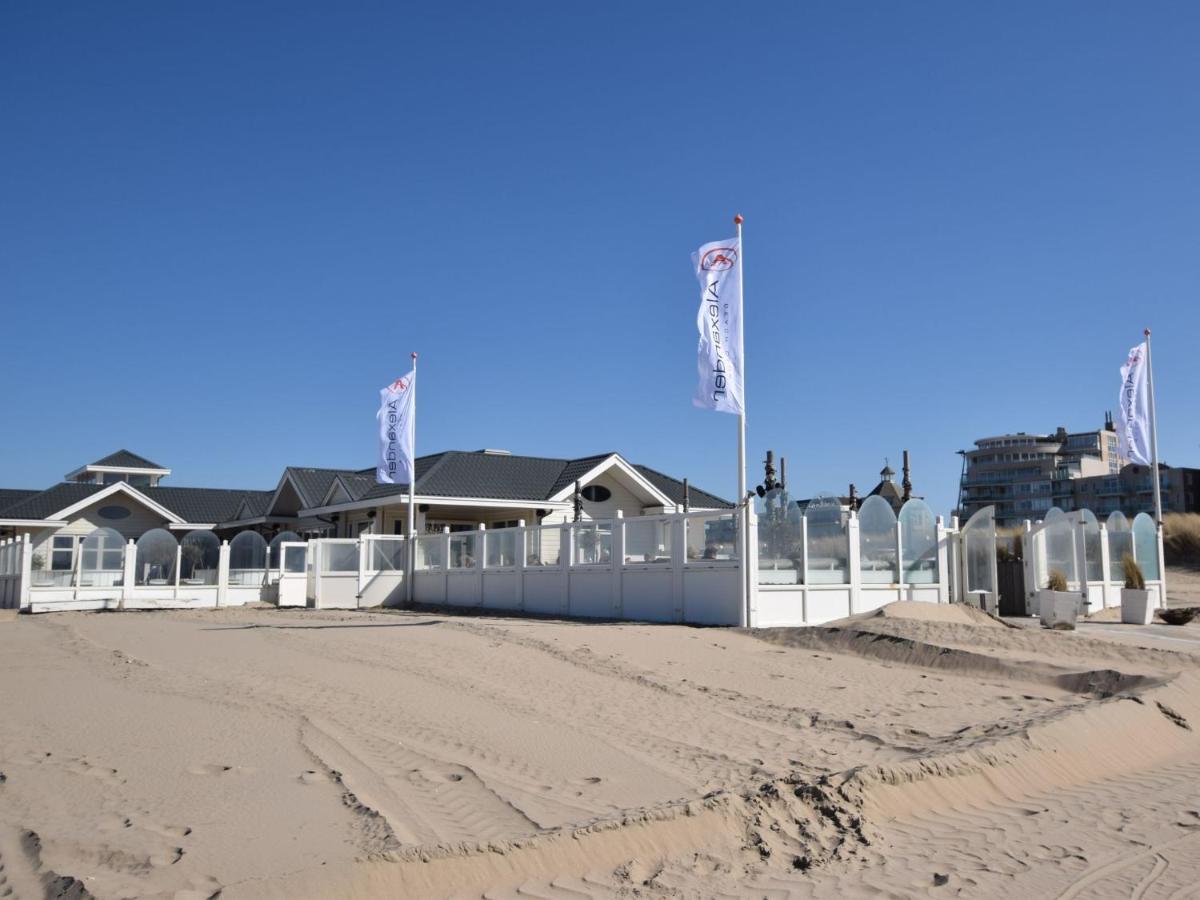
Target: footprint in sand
x=215 y=769
x=311 y=776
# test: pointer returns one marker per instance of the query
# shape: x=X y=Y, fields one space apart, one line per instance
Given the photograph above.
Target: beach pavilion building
x=121 y=497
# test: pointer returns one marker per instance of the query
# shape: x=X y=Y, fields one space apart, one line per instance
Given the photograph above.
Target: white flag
x=719 y=354
x=1133 y=435
x=397 y=419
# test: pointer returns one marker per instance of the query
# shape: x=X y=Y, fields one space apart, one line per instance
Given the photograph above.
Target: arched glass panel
x=273 y=548
x=102 y=558
x=154 y=563
x=918 y=538
x=1145 y=545
x=1059 y=547
x=200 y=555
x=1052 y=513
x=247 y=558
x=1091 y=546
x=979 y=551
x=780 y=539
x=877 y=542
x=828 y=543
x=1120 y=545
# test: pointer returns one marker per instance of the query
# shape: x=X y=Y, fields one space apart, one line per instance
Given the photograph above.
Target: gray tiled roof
x=314 y=483
x=198 y=504
x=673 y=488
x=46 y=503
x=12 y=496
x=125 y=459
x=459 y=473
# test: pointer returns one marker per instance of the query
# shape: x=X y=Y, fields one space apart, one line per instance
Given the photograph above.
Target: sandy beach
x=266 y=753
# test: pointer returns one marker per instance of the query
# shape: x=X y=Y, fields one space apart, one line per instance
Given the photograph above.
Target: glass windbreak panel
x=340 y=557
x=542 y=546
x=1120 y=545
x=102 y=556
x=154 y=559
x=712 y=537
x=294 y=560
x=386 y=555
x=200 y=555
x=1145 y=546
x=463 y=550
x=289 y=537
x=593 y=543
x=979 y=551
x=247 y=558
x=647 y=541
x=877 y=542
x=828 y=543
x=501 y=548
x=429 y=553
x=918 y=543
x=1091 y=546
x=1052 y=514
x=1060 y=551
x=780 y=539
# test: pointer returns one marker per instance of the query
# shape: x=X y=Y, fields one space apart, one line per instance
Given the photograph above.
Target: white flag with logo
x=1133 y=433
x=397 y=419
x=719 y=353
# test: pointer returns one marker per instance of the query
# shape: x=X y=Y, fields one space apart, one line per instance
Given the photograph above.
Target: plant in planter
x=1059 y=607
x=1135 y=599
x=1179 y=616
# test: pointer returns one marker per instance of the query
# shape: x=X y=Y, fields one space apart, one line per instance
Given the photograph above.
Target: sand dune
x=264 y=753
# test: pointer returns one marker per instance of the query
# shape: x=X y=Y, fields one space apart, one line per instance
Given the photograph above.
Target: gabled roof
x=502 y=476
x=204 y=505
x=312 y=484
x=126 y=460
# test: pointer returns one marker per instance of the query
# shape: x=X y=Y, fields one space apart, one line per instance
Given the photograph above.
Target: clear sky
x=224 y=226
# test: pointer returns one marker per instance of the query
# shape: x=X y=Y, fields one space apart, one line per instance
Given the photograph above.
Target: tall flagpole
x=744 y=588
x=1156 y=476
x=412 y=492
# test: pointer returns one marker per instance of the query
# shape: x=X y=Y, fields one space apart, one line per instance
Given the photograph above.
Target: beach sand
x=265 y=753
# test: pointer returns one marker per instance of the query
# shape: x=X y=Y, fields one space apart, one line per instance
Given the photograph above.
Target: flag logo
x=399 y=385
x=718 y=259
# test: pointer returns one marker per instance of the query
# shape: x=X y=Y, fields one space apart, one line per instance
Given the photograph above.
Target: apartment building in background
x=1023 y=475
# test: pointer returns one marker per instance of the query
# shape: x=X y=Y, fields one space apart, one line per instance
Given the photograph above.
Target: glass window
x=341 y=557
x=62 y=553
x=386 y=554
x=877 y=542
x=102 y=555
x=542 y=546
x=1120 y=545
x=596 y=493
x=429 y=553
x=294 y=559
x=247 y=558
x=711 y=537
x=918 y=538
x=1091 y=546
x=273 y=547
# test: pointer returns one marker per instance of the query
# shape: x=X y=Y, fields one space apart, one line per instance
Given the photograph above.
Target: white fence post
x=679 y=527
x=1079 y=535
x=26 y=571
x=855 y=562
x=617 y=557
x=521 y=550
x=129 y=573
x=223 y=573
x=899 y=561
x=480 y=560
x=1106 y=564
x=748 y=569
x=566 y=559
x=943 y=560
x=363 y=545
x=445 y=543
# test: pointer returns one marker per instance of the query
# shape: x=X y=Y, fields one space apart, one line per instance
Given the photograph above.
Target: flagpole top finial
x=414 y=355
x=738 y=220
x=1146 y=332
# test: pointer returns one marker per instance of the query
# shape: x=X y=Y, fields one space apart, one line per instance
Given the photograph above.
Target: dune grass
x=1181 y=539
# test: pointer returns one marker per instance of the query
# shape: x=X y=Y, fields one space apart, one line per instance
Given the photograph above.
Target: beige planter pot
x=1058 y=609
x=1136 y=607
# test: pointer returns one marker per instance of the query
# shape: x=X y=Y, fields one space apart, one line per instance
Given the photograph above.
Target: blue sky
x=224 y=226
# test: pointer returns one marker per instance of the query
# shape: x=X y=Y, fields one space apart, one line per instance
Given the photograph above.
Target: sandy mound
x=911 y=610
